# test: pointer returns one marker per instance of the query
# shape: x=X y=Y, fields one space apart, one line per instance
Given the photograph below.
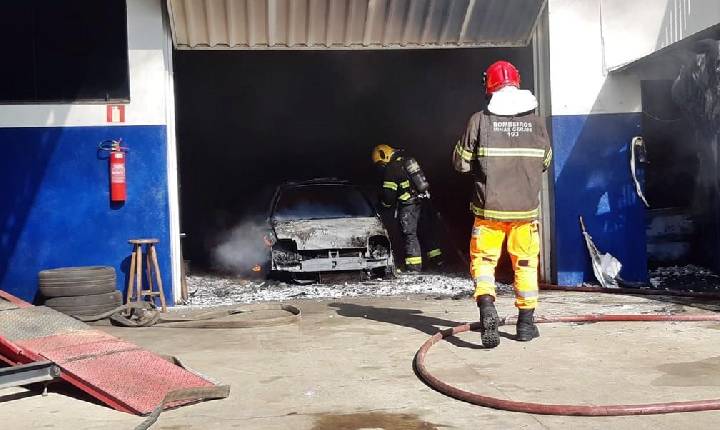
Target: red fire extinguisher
x=118 y=183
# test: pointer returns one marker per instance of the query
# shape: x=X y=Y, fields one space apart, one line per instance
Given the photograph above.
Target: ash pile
x=686 y=278
x=217 y=290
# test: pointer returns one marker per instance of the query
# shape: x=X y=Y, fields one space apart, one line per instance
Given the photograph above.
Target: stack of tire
x=80 y=291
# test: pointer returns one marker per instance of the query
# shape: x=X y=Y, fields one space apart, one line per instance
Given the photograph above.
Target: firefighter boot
x=526 y=328
x=489 y=321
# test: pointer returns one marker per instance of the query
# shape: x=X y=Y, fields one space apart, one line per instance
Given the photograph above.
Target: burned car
x=327 y=226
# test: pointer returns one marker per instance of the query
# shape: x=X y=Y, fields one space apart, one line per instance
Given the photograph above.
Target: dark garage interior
x=680 y=126
x=248 y=121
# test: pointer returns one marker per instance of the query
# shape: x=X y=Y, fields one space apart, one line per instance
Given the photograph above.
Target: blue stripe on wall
x=593 y=179
x=55 y=209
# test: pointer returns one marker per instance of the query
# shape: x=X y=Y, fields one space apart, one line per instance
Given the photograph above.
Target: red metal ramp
x=121 y=374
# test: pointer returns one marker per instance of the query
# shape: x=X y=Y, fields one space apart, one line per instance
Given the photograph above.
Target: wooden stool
x=136 y=267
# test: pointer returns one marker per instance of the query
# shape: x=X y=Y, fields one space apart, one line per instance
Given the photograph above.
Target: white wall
x=151 y=102
x=579 y=81
x=148 y=65
x=634 y=29
x=590 y=38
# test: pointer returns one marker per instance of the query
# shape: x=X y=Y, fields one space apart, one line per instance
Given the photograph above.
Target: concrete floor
x=348 y=365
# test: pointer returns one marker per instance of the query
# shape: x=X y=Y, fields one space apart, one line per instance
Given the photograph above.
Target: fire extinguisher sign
x=115 y=113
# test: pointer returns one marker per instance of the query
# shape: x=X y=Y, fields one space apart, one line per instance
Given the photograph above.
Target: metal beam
x=427 y=19
x=249 y=9
x=445 y=28
x=209 y=27
x=389 y=8
x=189 y=27
x=328 y=14
x=466 y=22
x=541 y=68
x=26 y=374
x=230 y=22
x=271 y=22
x=411 y=11
x=369 y=21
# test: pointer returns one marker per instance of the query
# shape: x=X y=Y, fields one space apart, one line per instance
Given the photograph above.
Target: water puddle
x=372 y=421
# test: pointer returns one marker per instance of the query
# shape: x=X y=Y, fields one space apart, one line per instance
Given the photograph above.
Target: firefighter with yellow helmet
x=506 y=148
x=404 y=184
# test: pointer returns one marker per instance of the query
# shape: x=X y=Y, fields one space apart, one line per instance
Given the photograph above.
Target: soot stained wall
x=671 y=145
x=250 y=120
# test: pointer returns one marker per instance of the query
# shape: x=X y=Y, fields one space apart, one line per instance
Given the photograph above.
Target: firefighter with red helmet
x=404 y=184
x=506 y=148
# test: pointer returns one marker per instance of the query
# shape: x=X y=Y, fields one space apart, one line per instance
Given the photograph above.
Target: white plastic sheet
x=605 y=267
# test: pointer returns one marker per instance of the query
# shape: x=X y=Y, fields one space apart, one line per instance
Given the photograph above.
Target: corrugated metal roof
x=351 y=24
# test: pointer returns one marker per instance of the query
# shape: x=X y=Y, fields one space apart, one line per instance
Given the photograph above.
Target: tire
x=86 y=305
x=76 y=273
x=113 y=298
x=77 y=281
x=87 y=311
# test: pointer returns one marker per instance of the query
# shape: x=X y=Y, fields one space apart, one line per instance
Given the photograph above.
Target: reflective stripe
x=385 y=205
x=527 y=294
x=390 y=185
x=404 y=196
x=413 y=260
x=488 y=279
x=504 y=215
x=511 y=152
x=463 y=153
x=434 y=253
x=548 y=157
x=405 y=184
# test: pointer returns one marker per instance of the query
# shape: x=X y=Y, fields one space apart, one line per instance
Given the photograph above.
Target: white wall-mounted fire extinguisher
x=118 y=182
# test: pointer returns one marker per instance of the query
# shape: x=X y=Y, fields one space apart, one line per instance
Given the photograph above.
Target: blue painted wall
x=55 y=209
x=593 y=179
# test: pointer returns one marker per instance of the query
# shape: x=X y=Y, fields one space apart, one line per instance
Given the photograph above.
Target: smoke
x=242 y=248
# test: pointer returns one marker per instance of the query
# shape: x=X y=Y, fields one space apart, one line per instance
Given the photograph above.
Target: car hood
x=337 y=233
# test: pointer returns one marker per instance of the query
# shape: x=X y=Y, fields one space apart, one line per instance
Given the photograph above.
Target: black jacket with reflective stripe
x=507 y=156
x=396 y=184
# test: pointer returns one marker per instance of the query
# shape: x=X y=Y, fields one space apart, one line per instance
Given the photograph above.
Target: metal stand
x=26 y=374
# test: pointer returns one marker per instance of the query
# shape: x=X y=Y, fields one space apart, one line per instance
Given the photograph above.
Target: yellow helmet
x=382 y=154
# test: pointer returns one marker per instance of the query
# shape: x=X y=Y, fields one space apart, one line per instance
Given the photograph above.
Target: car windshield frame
x=351 y=207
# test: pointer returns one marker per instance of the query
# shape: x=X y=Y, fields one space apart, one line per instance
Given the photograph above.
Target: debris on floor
x=214 y=290
x=689 y=278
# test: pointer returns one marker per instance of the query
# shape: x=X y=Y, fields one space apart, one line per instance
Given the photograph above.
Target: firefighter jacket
x=396 y=184
x=506 y=155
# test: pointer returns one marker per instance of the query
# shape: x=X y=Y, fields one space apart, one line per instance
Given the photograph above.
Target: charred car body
x=327 y=225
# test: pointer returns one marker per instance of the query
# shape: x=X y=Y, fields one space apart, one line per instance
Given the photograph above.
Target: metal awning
x=352 y=24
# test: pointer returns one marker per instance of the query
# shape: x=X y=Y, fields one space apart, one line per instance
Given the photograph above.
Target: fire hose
x=143 y=314
x=575 y=410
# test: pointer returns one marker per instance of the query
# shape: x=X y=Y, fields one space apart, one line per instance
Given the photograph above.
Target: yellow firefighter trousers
x=524 y=248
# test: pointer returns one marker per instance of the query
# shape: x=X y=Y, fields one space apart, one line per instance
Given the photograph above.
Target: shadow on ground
x=411 y=318
x=60 y=387
x=674 y=303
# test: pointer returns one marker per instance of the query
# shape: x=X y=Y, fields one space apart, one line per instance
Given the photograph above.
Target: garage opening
x=248 y=121
x=271 y=91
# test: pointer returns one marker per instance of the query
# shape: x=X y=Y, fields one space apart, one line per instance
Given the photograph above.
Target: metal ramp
x=120 y=374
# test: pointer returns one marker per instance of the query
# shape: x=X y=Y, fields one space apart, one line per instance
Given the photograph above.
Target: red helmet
x=499 y=75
